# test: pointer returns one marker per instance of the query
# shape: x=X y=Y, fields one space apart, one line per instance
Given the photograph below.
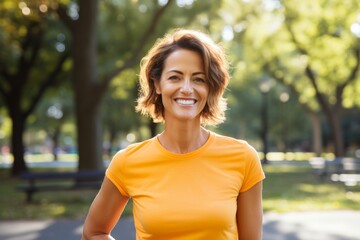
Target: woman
x=187 y=182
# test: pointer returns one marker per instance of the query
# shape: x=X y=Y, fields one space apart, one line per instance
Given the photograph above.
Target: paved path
x=334 y=225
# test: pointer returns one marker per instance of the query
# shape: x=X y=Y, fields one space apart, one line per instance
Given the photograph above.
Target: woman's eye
x=199 y=79
x=173 y=78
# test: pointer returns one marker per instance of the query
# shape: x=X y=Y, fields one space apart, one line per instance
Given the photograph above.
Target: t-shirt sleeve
x=115 y=172
x=253 y=170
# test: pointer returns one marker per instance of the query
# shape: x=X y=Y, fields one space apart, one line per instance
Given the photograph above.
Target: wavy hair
x=216 y=72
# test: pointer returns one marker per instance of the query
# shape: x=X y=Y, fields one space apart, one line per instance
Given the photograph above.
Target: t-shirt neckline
x=185 y=155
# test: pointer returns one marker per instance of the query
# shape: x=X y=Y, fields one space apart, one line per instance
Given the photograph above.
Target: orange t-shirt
x=186 y=196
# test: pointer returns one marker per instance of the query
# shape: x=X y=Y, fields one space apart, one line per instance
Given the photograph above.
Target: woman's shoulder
x=223 y=139
x=233 y=145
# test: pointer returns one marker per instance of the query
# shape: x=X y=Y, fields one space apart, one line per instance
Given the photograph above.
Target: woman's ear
x=157 y=86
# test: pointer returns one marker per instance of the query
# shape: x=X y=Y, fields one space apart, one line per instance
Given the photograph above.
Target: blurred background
x=68 y=83
x=69 y=72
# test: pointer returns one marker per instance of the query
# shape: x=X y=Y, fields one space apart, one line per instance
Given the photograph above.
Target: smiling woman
x=214 y=66
x=187 y=182
x=183 y=87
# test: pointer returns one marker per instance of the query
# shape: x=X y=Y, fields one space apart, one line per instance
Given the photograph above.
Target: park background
x=68 y=89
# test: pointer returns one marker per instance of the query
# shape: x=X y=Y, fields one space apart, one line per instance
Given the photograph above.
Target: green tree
x=308 y=46
x=332 y=56
x=29 y=41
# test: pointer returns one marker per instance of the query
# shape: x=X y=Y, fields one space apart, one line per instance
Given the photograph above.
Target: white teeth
x=185 y=101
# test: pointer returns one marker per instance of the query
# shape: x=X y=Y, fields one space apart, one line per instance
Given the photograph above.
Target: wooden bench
x=350 y=172
x=324 y=168
x=345 y=169
x=59 y=181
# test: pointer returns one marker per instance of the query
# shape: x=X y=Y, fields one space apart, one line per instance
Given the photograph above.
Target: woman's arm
x=249 y=213
x=104 y=212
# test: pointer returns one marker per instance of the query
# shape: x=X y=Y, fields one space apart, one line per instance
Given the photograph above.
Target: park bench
x=350 y=172
x=324 y=168
x=59 y=181
x=345 y=169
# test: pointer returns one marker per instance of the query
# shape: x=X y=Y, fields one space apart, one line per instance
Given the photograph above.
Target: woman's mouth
x=185 y=101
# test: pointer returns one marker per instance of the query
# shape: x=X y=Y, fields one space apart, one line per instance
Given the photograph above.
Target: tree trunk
x=17 y=144
x=112 y=137
x=265 y=126
x=316 y=133
x=55 y=138
x=89 y=137
x=334 y=118
x=86 y=81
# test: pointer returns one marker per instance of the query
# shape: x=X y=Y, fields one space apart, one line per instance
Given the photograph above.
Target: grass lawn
x=286 y=188
x=296 y=188
x=57 y=204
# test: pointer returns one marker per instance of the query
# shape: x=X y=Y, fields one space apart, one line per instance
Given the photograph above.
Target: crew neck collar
x=188 y=154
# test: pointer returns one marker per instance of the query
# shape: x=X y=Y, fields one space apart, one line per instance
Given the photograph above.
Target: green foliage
x=119 y=116
x=280 y=39
x=29 y=34
x=314 y=32
x=56 y=113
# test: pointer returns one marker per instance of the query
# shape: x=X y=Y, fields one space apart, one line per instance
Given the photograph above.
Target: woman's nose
x=186 y=87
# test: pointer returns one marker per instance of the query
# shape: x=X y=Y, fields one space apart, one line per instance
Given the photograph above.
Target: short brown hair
x=216 y=72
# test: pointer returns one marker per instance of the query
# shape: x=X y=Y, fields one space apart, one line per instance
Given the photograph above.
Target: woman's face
x=183 y=86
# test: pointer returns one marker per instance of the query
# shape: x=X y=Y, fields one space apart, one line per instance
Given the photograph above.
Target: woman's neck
x=183 y=138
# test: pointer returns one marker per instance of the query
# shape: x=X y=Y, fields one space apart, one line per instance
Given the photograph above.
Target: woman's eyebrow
x=179 y=72
x=175 y=71
x=197 y=73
